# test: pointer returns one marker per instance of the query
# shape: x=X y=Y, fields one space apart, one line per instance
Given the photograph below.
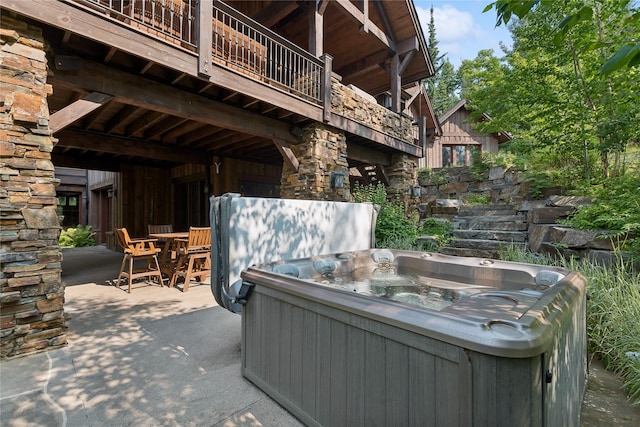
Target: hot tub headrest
x=324 y=265
x=287 y=269
x=548 y=278
x=383 y=255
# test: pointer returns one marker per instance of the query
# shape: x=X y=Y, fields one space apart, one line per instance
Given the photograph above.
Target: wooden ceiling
x=158 y=115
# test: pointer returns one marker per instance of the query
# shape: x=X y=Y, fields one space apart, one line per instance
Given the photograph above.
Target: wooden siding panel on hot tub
x=336 y=384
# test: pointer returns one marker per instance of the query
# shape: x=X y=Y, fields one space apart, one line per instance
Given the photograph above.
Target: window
x=69 y=209
x=458 y=155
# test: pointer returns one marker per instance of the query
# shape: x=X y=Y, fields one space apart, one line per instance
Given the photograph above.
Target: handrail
x=171 y=20
x=238 y=42
x=247 y=44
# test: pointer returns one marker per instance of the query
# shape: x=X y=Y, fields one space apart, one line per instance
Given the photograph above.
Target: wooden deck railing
x=237 y=42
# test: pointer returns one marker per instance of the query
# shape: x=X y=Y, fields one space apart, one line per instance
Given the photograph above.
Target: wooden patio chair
x=194 y=257
x=135 y=250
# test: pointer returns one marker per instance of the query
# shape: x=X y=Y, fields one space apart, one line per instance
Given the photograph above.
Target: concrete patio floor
x=161 y=357
x=155 y=357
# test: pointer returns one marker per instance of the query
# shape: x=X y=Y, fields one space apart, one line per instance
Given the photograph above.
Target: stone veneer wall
x=323 y=151
x=31 y=291
x=347 y=103
x=499 y=184
x=402 y=174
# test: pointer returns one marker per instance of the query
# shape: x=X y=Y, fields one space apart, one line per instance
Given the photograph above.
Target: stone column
x=31 y=291
x=403 y=173
x=323 y=151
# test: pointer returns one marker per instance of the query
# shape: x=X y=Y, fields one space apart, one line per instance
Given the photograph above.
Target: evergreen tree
x=443 y=85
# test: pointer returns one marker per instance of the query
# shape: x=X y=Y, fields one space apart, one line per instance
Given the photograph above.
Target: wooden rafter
x=145 y=93
x=365 y=22
x=62 y=118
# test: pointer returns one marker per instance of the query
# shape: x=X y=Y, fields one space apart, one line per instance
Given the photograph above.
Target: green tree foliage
x=443 y=86
x=626 y=55
x=549 y=92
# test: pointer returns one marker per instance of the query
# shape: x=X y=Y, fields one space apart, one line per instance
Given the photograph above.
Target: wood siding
x=457 y=130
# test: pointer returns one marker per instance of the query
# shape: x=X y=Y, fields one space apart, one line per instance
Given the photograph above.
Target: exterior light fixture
x=337 y=179
x=415 y=190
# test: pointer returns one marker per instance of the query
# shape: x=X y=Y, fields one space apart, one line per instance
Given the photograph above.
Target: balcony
x=237 y=42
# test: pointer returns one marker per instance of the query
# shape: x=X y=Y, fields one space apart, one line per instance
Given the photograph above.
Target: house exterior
x=459 y=139
x=168 y=102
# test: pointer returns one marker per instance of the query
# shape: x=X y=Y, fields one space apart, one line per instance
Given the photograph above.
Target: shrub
x=77 y=237
x=433 y=177
x=439 y=228
x=477 y=199
x=394 y=225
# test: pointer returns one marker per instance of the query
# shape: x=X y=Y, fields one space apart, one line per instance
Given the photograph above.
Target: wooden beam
x=322 y=6
x=149 y=119
x=384 y=17
x=173 y=135
x=141 y=92
x=351 y=10
x=405 y=61
x=365 y=65
x=358 y=129
x=131 y=147
x=408 y=45
x=289 y=157
x=364 y=8
x=73 y=161
x=364 y=154
x=316 y=32
x=122 y=118
x=163 y=127
x=396 y=84
x=69 y=114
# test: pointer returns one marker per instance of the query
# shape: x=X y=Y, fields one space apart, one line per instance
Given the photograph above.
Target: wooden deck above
x=128 y=87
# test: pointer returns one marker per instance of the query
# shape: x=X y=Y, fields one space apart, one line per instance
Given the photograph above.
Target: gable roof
x=418 y=97
x=462 y=105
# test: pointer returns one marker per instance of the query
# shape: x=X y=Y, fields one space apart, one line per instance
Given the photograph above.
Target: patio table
x=167 y=265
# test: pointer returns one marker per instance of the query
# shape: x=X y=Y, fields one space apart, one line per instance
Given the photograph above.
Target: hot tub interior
x=429 y=281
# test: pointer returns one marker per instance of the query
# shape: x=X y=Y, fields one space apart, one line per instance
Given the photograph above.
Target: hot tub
x=400 y=338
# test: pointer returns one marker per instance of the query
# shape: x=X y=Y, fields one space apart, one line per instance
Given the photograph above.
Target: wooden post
x=316 y=32
x=395 y=83
x=326 y=86
x=204 y=37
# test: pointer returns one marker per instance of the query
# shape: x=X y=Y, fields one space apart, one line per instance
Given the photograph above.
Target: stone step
x=483 y=244
x=475 y=210
x=482 y=223
x=487 y=218
x=487 y=212
x=503 y=235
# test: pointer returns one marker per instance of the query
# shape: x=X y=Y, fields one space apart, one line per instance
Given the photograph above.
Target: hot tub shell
x=513 y=354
